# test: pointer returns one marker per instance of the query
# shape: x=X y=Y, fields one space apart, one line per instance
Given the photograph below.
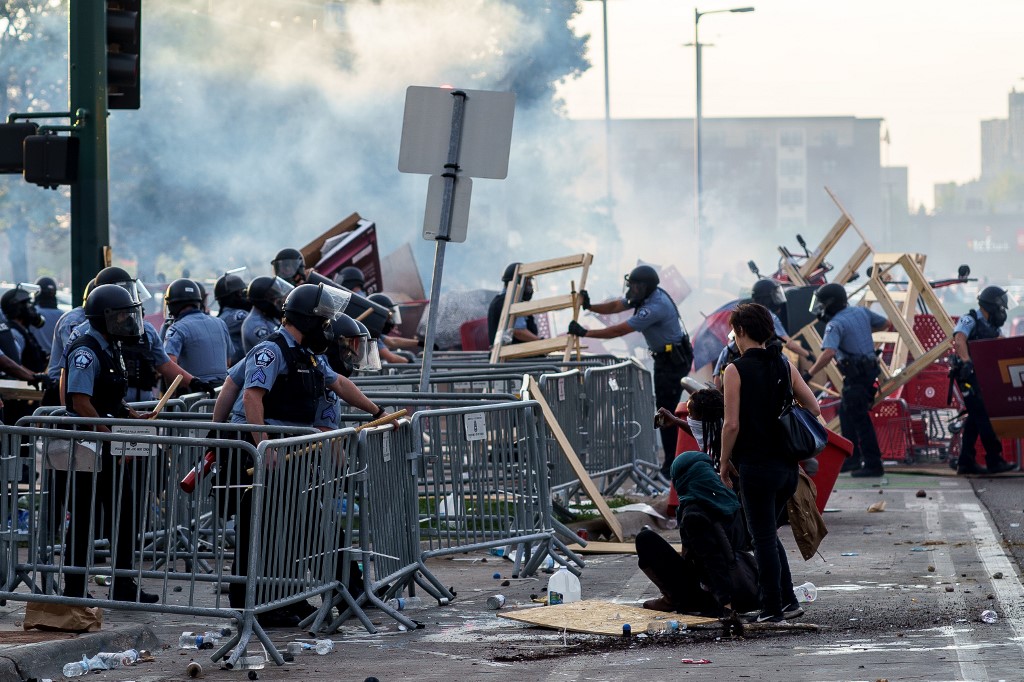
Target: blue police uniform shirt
x=153 y=350
x=65 y=325
x=84 y=367
x=723 y=358
x=201 y=344
x=233 y=318
x=44 y=334
x=19 y=341
x=780 y=331
x=849 y=332
x=328 y=409
x=658 y=320
x=966 y=325
x=255 y=328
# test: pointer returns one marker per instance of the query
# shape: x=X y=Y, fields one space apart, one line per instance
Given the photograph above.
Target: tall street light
x=698 y=180
x=607 y=111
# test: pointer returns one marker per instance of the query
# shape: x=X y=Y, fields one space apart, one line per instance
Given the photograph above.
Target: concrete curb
x=47 y=659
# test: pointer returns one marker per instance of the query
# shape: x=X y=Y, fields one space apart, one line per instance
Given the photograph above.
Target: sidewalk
x=900 y=594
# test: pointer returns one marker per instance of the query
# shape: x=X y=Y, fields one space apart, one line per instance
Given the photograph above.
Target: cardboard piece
x=577 y=466
x=598 y=617
x=48 y=616
x=999 y=365
x=595 y=547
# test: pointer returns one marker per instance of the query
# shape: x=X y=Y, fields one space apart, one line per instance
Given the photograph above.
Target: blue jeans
x=765 y=487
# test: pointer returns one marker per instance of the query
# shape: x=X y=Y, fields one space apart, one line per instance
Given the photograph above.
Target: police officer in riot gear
x=848 y=339
x=22 y=317
x=95 y=386
x=290 y=266
x=267 y=296
x=983 y=323
x=656 y=317
x=387 y=344
x=46 y=304
x=524 y=328
x=352 y=278
x=66 y=325
x=145 y=358
x=198 y=342
x=234 y=308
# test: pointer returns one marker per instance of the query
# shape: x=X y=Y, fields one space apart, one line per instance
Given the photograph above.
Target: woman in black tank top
x=755 y=388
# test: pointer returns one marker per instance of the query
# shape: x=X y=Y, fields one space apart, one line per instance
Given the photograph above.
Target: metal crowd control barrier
x=620 y=428
x=111 y=504
x=483 y=482
x=564 y=394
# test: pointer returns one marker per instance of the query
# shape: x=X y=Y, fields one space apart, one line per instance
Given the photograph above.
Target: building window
x=791 y=138
x=791 y=197
x=829 y=138
x=791 y=168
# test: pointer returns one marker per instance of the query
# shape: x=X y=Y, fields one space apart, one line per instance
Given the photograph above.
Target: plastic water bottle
x=563 y=587
x=989 y=616
x=323 y=646
x=251 y=662
x=406 y=603
x=806 y=593
x=197 y=640
x=77 y=668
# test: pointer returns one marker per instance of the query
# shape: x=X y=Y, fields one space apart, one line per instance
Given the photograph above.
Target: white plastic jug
x=563 y=587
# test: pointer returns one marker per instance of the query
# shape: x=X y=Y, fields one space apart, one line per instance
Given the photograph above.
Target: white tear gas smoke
x=264 y=123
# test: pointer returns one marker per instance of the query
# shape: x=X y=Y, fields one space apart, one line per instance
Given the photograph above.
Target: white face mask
x=698 y=431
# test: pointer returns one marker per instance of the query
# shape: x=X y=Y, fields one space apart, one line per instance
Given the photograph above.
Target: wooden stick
x=166 y=396
x=386 y=419
x=365 y=314
x=575 y=314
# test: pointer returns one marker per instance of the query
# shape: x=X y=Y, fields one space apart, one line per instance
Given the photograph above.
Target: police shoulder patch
x=262 y=332
x=171 y=331
x=643 y=312
x=82 y=359
x=264 y=357
x=241 y=314
x=258 y=377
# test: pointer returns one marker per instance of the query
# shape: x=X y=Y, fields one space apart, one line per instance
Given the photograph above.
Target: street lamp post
x=607 y=110
x=697 y=153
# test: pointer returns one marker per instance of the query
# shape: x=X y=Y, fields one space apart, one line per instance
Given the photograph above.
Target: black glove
x=806 y=376
x=967 y=371
x=197 y=385
x=576 y=329
x=584 y=300
x=812 y=358
x=42 y=381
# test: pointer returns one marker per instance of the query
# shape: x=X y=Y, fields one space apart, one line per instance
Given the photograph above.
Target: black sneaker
x=970 y=468
x=765 y=617
x=850 y=464
x=999 y=466
x=792 y=611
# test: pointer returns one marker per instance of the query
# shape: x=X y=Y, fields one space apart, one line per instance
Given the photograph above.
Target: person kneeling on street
x=714 y=577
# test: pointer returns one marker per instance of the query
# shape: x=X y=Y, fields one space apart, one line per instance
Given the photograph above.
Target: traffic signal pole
x=87 y=64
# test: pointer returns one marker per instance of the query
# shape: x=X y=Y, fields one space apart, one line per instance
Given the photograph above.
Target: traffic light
x=12 y=140
x=51 y=159
x=124 y=40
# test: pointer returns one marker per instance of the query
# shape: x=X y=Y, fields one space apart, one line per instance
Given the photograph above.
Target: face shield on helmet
x=365 y=356
x=124 y=323
x=634 y=292
x=288 y=268
x=331 y=302
x=278 y=292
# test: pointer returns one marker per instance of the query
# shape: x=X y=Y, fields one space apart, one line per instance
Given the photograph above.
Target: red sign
x=999 y=364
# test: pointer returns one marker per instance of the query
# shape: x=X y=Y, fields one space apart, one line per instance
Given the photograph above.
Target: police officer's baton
x=166 y=396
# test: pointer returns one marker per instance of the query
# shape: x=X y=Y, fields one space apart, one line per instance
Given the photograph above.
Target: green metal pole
x=90 y=229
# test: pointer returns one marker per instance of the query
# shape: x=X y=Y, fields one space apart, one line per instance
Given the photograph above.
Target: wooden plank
x=531 y=348
x=12 y=389
x=895 y=316
x=598 y=617
x=577 y=466
x=810 y=335
x=791 y=270
x=543 y=305
x=855 y=261
x=885 y=337
x=574 y=343
x=543 y=267
x=504 y=323
x=595 y=547
x=828 y=243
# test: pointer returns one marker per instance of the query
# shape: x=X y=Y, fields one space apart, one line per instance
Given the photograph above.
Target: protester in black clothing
x=755 y=388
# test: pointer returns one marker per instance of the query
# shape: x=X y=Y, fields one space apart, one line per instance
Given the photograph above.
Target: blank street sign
x=460 y=209
x=486 y=132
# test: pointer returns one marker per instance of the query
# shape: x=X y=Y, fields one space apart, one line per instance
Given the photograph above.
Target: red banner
x=999 y=365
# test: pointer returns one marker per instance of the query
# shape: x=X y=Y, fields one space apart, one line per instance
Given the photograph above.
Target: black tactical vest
x=295 y=395
x=111 y=385
x=982 y=328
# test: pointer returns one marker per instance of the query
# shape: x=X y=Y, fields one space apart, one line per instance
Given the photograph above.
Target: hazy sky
x=932 y=69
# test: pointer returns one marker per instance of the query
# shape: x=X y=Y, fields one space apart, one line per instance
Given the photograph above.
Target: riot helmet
x=17 y=305
x=181 y=294
x=352 y=278
x=510 y=271
x=641 y=282
x=994 y=301
x=120 y=277
x=230 y=292
x=768 y=293
x=90 y=285
x=366 y=354
x=267 y=294
x=342 y=349
x=289 y=265
x=828 y=300
x=396 y=316
x=113 y=311
x=46 y=297
x=310 y=309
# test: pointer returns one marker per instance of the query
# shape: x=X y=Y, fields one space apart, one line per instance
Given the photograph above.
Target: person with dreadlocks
x=716 y=575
